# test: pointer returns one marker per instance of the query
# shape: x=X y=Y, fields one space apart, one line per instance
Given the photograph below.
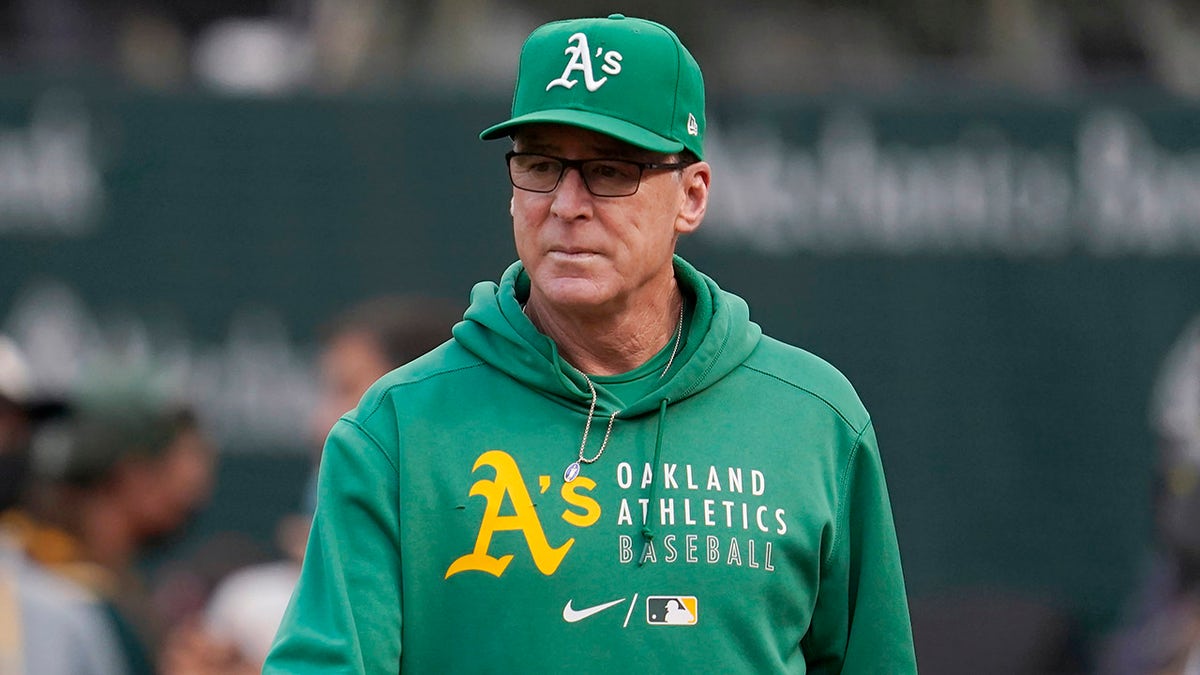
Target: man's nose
x=571 y=197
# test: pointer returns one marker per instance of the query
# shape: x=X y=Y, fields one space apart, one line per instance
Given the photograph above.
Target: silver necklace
x=573 y=469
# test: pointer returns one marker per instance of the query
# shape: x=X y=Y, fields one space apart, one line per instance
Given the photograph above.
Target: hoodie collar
x=720 y=336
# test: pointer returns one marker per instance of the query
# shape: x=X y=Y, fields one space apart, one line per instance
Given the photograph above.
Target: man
x=609 y=467
x=1161 y=634
x=49 y=624
x=122 y=470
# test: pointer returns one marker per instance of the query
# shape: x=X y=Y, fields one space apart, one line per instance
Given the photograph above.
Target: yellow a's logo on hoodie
x=508 y=481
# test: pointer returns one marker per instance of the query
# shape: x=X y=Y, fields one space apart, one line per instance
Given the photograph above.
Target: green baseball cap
x=629 y=78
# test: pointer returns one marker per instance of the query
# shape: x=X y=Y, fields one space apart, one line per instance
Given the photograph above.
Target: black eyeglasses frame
x=643 y=167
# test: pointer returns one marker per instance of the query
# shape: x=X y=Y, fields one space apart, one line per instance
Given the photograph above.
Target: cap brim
x=619 y=129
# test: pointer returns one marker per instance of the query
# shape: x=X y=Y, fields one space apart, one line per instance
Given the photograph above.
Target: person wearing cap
x=609 y=467
x=49 y=624
x=121 y=469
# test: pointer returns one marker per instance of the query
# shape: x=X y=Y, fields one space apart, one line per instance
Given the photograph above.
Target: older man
x=609 y=467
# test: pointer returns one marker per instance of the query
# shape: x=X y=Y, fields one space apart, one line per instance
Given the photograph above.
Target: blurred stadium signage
x=253 y=388
x=1006 y=273
x=1113 y=191
x=49 y=180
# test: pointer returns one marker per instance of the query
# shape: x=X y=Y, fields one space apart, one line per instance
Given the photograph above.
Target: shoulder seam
x=374 y=441
x=814 y=394
x=354 y=422
x=383 y=394
x=842 y=496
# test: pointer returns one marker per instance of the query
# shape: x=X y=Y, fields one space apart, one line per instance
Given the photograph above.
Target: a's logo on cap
x=672 y=610
x=581 y=60
x=693 y=125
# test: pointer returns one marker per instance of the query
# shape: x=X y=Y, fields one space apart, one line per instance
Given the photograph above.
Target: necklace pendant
x=572 y=472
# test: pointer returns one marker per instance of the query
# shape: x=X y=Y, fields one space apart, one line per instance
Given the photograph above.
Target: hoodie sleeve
x=861 y=622
x=344 y=616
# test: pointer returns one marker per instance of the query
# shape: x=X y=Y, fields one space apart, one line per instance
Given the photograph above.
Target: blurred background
x=986 y=213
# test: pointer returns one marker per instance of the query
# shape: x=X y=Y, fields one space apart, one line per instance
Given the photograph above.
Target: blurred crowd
x=1162 y=631
x=776 y=46
x=92 y=482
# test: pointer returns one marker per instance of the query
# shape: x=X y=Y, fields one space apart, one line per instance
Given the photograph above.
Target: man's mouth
x=573 y=252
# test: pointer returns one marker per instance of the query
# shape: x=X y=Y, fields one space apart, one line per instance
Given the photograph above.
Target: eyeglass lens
x=602 y=177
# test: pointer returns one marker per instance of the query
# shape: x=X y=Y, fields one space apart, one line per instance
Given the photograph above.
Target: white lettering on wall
x=1115 y=192
x=49 y=181
x=253 y=389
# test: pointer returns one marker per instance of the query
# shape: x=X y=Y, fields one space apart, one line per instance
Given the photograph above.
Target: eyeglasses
x=602 y=177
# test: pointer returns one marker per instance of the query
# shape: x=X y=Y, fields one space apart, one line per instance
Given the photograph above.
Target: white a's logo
x=581 y=60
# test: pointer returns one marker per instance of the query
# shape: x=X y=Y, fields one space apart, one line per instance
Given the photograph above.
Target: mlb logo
x=672 y=610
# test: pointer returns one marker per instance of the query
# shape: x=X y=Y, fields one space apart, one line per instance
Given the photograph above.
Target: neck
x=608 y=344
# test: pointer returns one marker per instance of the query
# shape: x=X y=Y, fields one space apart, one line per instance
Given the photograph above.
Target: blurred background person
x=358 y=346
x=15 y=421
x=366 y=341
x=49 y=624
x=1162 y=631
x=120 y=472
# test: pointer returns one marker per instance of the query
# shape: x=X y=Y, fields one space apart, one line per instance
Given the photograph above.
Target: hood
x=720 y=336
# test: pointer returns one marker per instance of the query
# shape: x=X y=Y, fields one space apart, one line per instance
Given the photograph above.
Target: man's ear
x=694 y=204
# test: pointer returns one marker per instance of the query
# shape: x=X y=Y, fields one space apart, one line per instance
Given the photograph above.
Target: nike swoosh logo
x=571 y=615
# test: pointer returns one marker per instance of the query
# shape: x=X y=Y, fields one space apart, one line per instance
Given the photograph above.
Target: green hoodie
x=736 y=522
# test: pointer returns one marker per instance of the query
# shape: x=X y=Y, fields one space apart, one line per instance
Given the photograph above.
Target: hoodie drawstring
x=647 y=531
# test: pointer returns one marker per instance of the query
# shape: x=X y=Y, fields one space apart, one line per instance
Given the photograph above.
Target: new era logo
x=672 y=610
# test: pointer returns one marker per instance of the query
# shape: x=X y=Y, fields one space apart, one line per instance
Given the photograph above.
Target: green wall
x=1009 y=371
